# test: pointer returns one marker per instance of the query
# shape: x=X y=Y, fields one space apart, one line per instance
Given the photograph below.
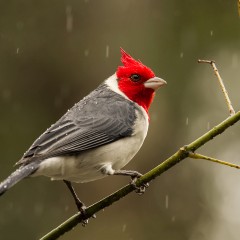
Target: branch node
x=184 y=150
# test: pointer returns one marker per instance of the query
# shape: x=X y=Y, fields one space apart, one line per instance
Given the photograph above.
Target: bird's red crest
x=130 y=65
x=127 y=60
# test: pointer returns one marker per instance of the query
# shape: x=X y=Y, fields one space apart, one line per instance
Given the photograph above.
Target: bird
x=98 y=136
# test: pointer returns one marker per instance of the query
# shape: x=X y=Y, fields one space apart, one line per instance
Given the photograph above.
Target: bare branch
x=202 y=157
x=228 y=101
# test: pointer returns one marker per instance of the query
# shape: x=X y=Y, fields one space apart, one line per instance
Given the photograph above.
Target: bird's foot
x=141 y=189
x=134 y=176
x=82 y=209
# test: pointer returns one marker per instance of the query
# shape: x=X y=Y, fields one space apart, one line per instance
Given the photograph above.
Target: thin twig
x=202 y=157
x=229 y=104
x=180 y=155
x=238 y=8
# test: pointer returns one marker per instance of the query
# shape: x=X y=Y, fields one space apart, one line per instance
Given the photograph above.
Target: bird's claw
x=141 y=189
x=82 y=209
x=84 y=219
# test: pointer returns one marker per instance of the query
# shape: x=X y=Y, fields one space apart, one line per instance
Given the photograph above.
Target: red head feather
x=135 y=91
x=127 y=60
x=130 y=65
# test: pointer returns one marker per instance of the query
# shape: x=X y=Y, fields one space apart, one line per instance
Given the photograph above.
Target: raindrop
x=38 y=209
x=86 y=52
x=166 y=201
x=124 y=227
x=208 y=125
x=17 y=51
x=187 y=121
x=69 y=19
x=235 y=60
x=107 y=51
x=66 y=208
x=181 y=55
x=211 y=33
x=10 y=205
x=173 y=218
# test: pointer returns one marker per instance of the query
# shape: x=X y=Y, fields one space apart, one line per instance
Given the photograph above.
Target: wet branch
x=180 y=155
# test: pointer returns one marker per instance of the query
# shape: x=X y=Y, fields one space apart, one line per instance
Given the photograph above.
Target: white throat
x=112 y=84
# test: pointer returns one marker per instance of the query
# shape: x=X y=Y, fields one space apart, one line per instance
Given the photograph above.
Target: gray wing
x=100 y=118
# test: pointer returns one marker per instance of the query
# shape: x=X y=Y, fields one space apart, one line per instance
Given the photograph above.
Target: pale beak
x=154 y=83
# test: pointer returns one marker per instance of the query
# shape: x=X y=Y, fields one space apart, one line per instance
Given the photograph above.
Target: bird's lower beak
x=154 y=83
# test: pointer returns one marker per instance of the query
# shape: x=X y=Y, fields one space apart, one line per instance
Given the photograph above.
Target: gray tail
x=18 y=175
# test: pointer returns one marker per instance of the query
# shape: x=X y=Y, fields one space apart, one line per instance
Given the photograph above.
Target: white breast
x=87 y=166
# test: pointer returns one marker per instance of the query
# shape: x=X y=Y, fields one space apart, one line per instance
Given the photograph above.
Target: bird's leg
x=80 y=205
x=134 y=175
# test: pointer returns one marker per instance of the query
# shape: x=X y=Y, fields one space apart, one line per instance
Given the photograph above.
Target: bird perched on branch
x=98 y=136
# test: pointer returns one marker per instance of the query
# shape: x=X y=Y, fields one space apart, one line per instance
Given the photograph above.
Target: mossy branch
x=180 y=155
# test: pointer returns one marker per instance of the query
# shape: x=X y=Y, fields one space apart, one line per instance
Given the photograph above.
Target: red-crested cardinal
x=99 y=135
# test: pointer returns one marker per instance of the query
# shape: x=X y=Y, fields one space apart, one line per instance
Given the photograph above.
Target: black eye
x=135 y=77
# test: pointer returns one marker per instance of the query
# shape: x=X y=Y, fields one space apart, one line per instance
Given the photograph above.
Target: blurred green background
x=53 y=53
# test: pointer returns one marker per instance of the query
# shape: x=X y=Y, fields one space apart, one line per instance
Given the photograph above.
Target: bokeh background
x=53 y=53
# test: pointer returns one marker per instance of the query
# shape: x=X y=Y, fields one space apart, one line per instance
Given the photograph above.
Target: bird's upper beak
x=154 y=83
